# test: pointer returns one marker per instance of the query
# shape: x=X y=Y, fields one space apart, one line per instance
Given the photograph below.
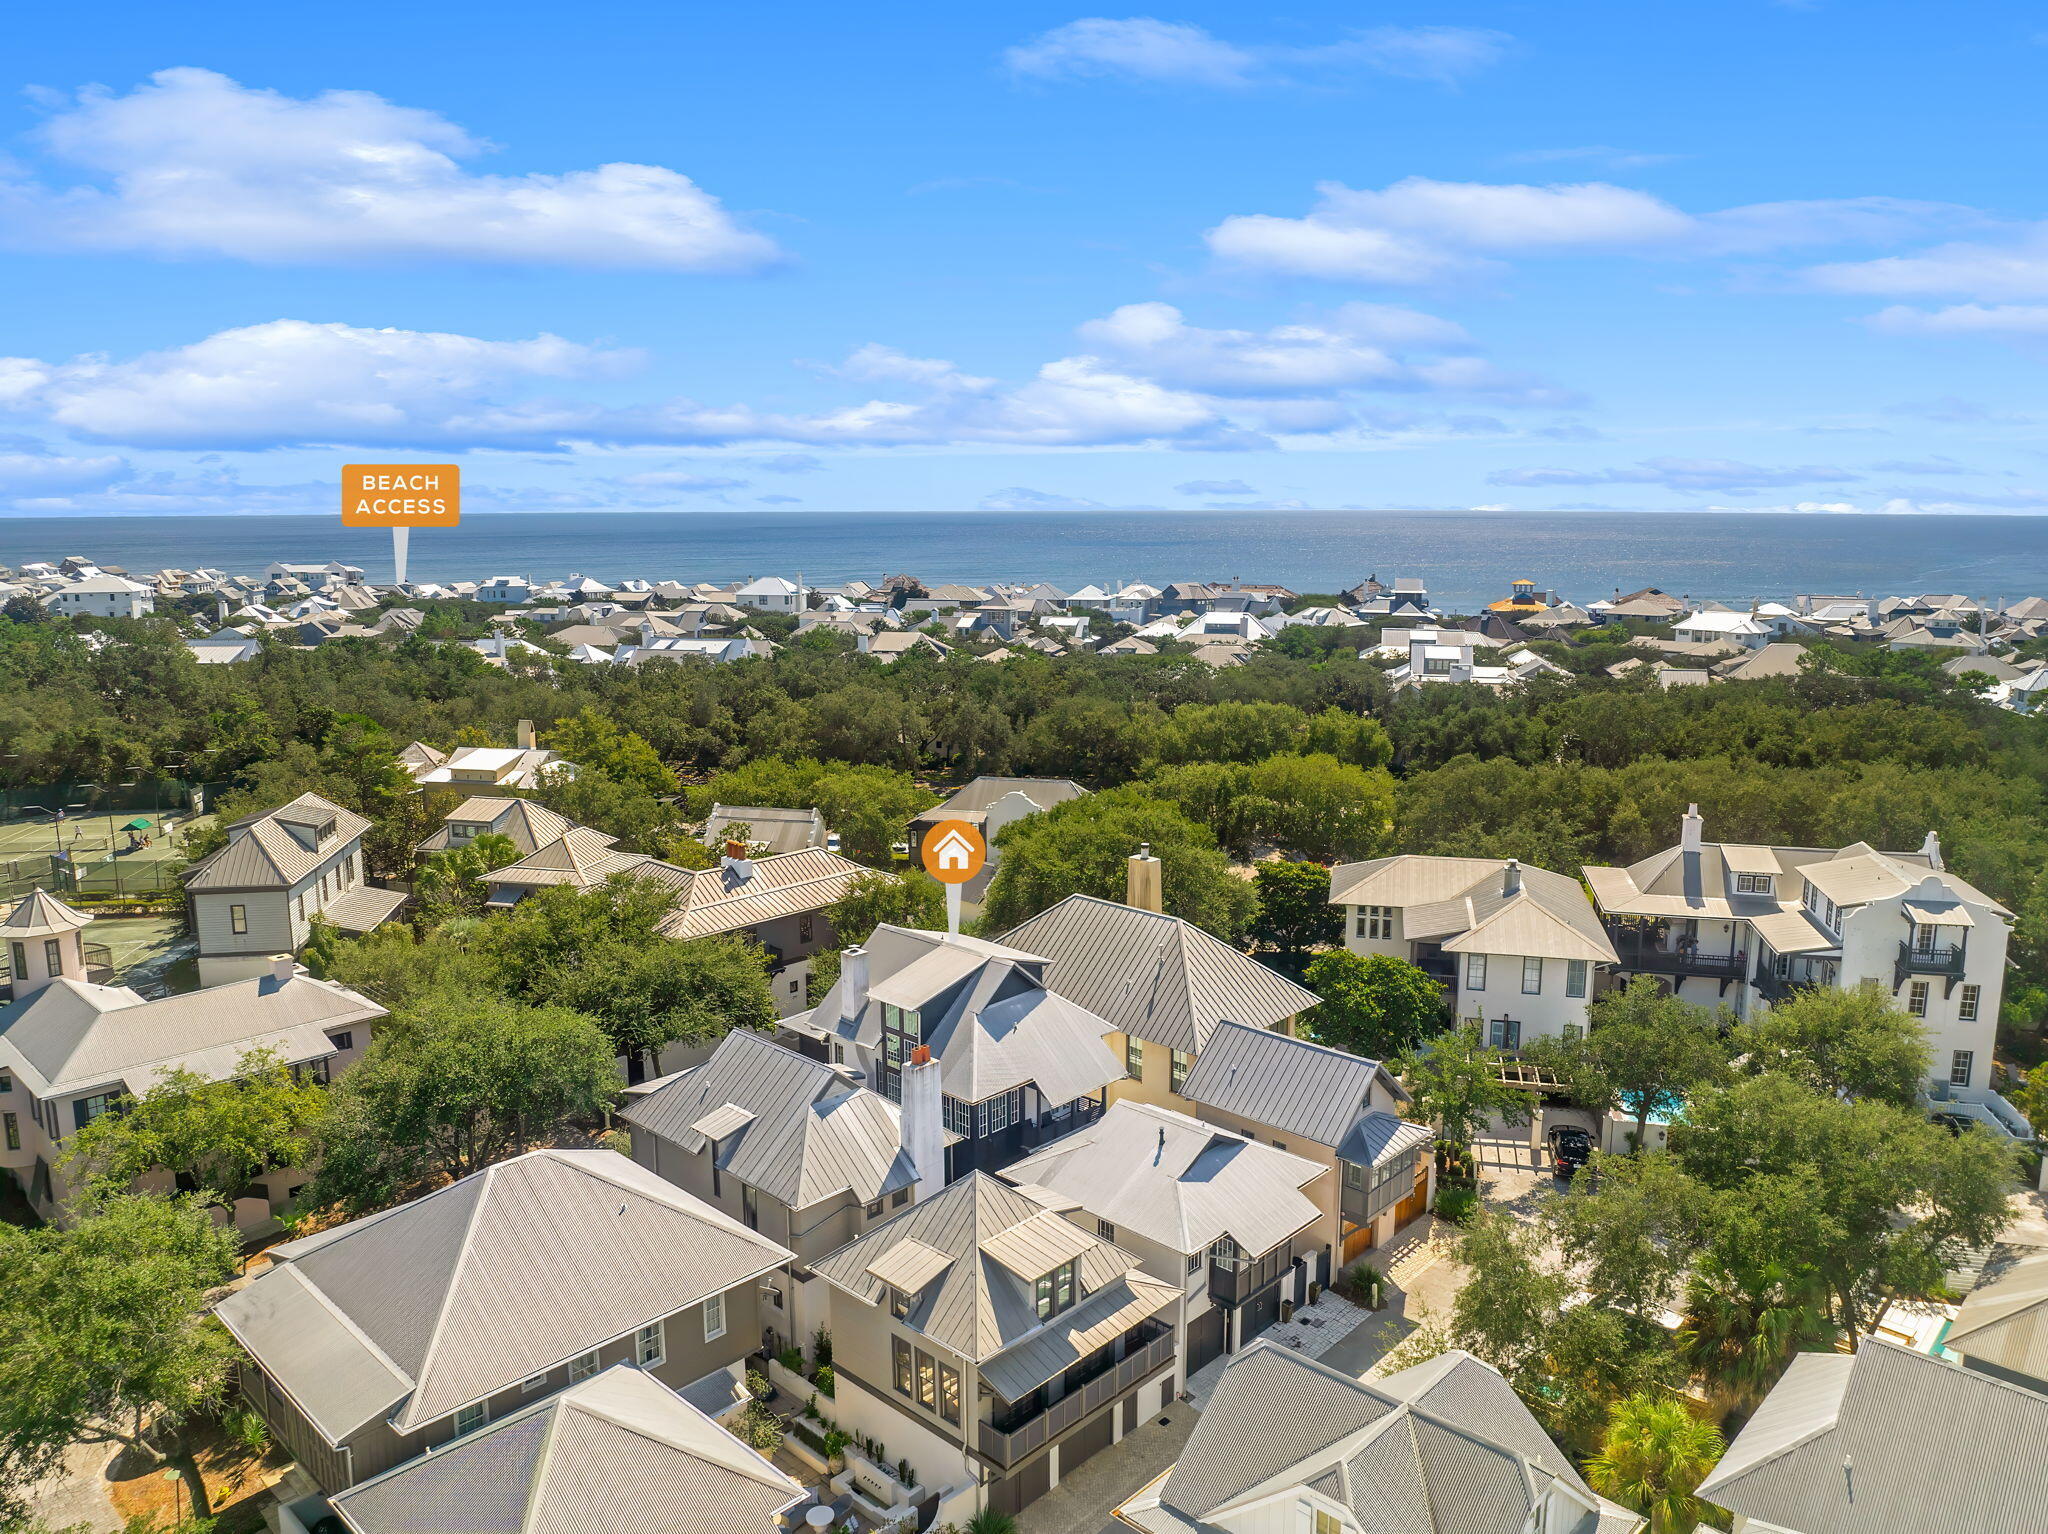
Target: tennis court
x=118 y=853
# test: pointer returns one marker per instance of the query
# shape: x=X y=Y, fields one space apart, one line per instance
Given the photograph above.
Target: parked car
x=1570 y=1148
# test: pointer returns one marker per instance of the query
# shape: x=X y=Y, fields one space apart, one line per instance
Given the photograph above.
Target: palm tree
x=1741 y=1330
x=1654 y=1455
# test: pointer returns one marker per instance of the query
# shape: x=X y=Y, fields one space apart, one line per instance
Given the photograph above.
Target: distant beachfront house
x=315 y=576
x=514 y=589
x=771 y=594
x=102 y=596
x=1719 y=627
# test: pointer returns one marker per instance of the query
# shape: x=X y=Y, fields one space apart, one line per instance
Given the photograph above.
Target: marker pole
x=400 y=537
x=953 y=909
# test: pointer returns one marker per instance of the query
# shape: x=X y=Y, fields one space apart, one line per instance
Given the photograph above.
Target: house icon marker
x=954 y=852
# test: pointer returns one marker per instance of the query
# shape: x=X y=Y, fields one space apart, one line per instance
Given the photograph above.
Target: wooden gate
x=1413 y=1206
x=1359 y=1240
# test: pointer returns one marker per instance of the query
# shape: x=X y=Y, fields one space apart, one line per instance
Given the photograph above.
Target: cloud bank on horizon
x=1149 y=248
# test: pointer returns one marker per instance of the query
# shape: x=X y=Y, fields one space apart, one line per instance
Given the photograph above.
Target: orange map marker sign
x=401 y=496
x=954 y=852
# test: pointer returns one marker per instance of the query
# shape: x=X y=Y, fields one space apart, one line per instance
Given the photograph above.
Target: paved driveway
x=1083 y=1501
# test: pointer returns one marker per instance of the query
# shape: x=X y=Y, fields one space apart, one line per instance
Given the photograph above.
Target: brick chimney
x=1142 y=884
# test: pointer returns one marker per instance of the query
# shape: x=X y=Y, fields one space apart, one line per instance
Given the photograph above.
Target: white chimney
x=924 y=1115
x=1511 y=878
x=1142 y=885
x=1689 y=829
x=282 y=967
x=1931 y=850
x=853 y=983
x=525 y=736
x=861 y=641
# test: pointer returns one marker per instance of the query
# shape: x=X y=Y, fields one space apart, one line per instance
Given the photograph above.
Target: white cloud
x=671 y=479
x=1721 y=474
x=1024 y=498
x=292 y=382
x=2018 y=269
x=1146 y=49
x=1603 y=154
x=1214 y=487
x=37 y=473
x=193 y=163
x=780 y=500
x=1963 y=320
x=1419 y=230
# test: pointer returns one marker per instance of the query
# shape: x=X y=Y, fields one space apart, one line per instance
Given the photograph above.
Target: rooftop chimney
x=1142 y=886
x=525 y=736
x=1511 y=878
x=282 y=967
x=1931 y=850
x=853 y=983
x=924 y=1112
x=1689 y=829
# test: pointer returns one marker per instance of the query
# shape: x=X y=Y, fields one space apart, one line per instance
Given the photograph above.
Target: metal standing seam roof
x=1175 y=1180
x=72 y=1035
x=983 y=792
x=780 y=830
x=2004 y=1321
x=619 y=1453
x=363 y=908
x=715 y=900
x=814 y=1135
x=1467 y=901
x=262 y=854
x=531 y=826
x=502 y=1275
x=977 y=1307
x=1887 y=1438
x=1155 y=977
x=39 y=914
x=1289 y=1084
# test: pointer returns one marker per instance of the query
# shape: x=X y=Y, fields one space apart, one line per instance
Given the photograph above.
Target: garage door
x=1415 y=1203
x=1087 y=1441
x=1260 y=1312
x=1205 y=1338
x=1027 y=1485
x=1359 y=1240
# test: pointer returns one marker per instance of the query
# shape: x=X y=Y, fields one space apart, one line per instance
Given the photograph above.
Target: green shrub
x=1457 y=1205
x=757 y=1385
x=827 y=1382
x=792 y=1359
x=757 y=1428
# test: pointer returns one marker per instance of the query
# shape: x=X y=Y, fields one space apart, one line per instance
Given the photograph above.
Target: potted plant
x=836 y=1441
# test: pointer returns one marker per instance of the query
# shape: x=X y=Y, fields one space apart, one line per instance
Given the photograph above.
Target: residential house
x=224 y=647
x=619 y=1453
x=580 y=858
x=995 y=1345
x=1885 y=1438
x=990 y=803
x=887 y=647
x=1162 y=984
x=317 y=576
x=1334 y=1109
x=1221 y=1217
x=1773 y=660
x=1748 y=924
x=374 y=1342
x=516 y=590
x=1290 y=1446
x=771 y=594
x=1523 y=600
x=1516 y=947
x=767 y=829
x=2001 y=1327
x=524 y=765
x=256 y=896
x=1020 y=1064
x=102 y=596
x=528 y=825
x=788 y=1145
x=719 y=650
x=71 y=1050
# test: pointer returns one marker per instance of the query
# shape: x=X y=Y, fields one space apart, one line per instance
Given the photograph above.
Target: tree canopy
x=1372 y=1005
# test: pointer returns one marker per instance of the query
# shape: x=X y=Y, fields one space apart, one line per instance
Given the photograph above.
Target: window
x=949 y=1393
x=1354 y=1175
x=1754 y=884
x=1966 y=1009
x=1134 y=1056
x=1916 y=998
x=86 y=1109
x=927 y=1381
x=1055 y=1291
x=1475 y=971
x=899 y=1303
x=750 y=1207
x=1376 y=922
x=650 y=1347
x=1575 y=977
x=1194 y=1262
x=899 y=1198
x=582 y=1368
x=960 y=1118
x=1105 y=1230
x=714 y=1318
x=805 y=924
x=342 y=1040
x=53 y=956
x=472 y=1417
x=534 y=1382
x=1532 y=977
x=1959 y=1067
x=900 y=1366
x=1504 y=1033
x=1923 y=937
x=998 y=1113
x=6 y=1082
x=13 y=1123
x=299 y=905
x=20 y=961
x=874 y=1209
x=1328 y=1523
x=901 y=1033
x=1177 y=1079
x=1573 y=1033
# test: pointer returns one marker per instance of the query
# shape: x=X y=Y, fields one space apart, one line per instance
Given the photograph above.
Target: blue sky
x=1743 y=254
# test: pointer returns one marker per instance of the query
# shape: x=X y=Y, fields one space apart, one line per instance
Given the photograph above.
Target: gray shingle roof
x=979 y=1306
x=619 y=1453
x=73 y=1036
x=813 y=1133
x=1156 y=977
x=262 y=854
x=1301 y=1088
x=1175 y=1180
x=510 y=1271
x=1887 y=1439
x=1436 y=1450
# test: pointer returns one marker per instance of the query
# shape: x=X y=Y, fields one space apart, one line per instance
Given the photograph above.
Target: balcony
x=1234 y=1280
x=1639 y=954
x=1007 y=1439
x=1770 y=985
x=1913 y=959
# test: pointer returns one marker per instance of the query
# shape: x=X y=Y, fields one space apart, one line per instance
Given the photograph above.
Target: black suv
x=1570 y=1148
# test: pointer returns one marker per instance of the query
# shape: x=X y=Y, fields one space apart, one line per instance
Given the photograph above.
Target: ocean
x=1464 y=557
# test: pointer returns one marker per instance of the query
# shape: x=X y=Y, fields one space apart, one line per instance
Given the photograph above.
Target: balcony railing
x=1234 y=1280
x=1915 y=960
x=1006 y=1448
x=1770 y=985
x=1639 y=954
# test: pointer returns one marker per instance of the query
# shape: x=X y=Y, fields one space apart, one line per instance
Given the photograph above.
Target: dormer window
x=1057 y=1291
x=1755 y=884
